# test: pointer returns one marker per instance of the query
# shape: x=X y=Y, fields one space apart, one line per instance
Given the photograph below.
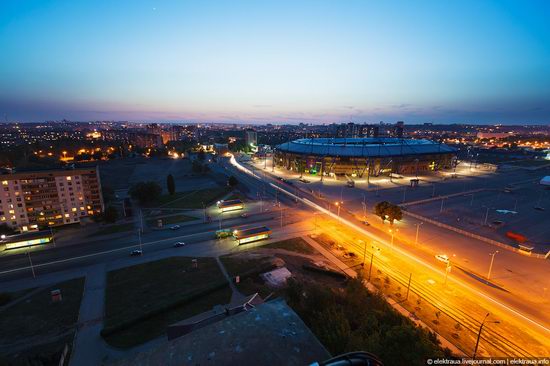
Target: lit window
x=5 y=182
x=73 y=209
x=68 y=178
x=66 y=215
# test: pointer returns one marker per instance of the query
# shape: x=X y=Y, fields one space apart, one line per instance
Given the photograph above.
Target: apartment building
x=40 y=199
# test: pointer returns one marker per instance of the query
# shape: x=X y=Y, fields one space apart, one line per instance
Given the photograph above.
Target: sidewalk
x=89 y=347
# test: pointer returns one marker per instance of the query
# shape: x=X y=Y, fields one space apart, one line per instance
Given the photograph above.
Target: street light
x=417 y=229
x=491 y=265
x=392 y=232
x=479 y=333
x=338 y=205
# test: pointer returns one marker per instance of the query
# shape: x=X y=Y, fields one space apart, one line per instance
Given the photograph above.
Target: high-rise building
x=39 y=199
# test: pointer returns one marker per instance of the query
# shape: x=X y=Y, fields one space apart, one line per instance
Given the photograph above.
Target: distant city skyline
x=479 y=62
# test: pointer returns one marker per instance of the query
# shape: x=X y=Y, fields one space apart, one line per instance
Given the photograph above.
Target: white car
x=175 y=227
x=136 y=252
x=179 y=244
x=442 y=257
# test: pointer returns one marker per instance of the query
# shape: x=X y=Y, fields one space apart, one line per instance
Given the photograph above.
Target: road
x=517 y=310
x=48 y=260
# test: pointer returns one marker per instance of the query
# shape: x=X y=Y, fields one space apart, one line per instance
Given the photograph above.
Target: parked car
x=366 y=223
x=136 y=252
x=244 y=215
x=442 y=257
x=179 y=244
x=175 y=227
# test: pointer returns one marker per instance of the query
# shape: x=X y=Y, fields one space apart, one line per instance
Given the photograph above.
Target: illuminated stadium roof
x=364 y=147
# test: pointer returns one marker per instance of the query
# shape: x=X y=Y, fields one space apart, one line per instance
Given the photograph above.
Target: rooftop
x=365 y=147
x=270 y=334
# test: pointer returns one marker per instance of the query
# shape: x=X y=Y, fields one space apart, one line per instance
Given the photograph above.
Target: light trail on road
x=355 y=227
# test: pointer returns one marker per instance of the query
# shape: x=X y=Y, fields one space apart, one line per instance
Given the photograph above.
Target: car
x=175 y=227
x=136 y=252
x=179 y=244
x=303 y=180
x=366 y=223
x=244 y=215
x=442 y=257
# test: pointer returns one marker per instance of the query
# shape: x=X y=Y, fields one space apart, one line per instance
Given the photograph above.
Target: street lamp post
x=364 y=251
x=32 y=267
x=338 y=205
x=479 y=333
x=486 y=216
x=139 y=238
x=442 y=201
x=491 y=265
x=417 y=230
x=370 y=267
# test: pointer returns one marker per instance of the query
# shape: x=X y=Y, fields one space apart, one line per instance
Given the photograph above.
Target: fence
x=478 y=237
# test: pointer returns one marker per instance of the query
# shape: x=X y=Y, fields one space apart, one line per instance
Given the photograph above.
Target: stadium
x=364 y=157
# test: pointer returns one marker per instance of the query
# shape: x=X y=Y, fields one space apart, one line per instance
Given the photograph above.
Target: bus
x=230 y=205
x=249 y=235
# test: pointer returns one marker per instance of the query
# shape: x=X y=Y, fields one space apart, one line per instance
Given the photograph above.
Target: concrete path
x=88 y=348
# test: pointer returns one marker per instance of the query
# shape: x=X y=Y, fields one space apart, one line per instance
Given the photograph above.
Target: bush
x=145 y=192
x=345 y=321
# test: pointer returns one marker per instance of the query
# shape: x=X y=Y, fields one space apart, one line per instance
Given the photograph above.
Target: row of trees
x=355 y=319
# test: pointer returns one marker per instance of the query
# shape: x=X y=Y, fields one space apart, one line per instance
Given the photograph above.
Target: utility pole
x=370 y=267
x=139 y=238
x=442 y=201
x=491 y=265
x=409 y=286
x=53 y=237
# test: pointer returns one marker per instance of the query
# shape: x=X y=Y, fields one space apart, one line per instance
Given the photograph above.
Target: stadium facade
x=364 y=157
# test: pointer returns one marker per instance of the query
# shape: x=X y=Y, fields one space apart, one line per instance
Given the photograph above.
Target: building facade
x=40 y=199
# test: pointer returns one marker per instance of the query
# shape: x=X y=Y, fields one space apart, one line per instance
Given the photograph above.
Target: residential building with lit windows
x=40 y=199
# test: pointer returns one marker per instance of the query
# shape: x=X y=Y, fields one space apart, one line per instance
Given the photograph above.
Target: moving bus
x=230 y=205
x=249 y=235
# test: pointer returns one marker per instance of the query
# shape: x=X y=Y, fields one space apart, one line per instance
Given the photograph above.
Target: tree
x=170 y=184
x=110 y=214
x=232 y=182
x=394 y=213
x=380 y=209
x=145 y=192
x=6 y=230
x=386 y=210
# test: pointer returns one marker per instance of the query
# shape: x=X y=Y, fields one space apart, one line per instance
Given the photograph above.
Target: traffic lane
x=47 y=264
x=60 y=253
x=149 y=249
x=114 y=242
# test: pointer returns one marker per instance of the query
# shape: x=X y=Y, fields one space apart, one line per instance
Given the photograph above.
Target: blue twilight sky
x=276 y=61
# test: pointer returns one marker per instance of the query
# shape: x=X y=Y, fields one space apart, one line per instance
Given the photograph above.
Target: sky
x=467 y=61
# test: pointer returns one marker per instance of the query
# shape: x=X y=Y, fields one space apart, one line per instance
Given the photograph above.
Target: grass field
x=298 y=245
x=194 y=199
x=135 y=292
x=166 y=220
x=113 y=229
x=37 y=320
